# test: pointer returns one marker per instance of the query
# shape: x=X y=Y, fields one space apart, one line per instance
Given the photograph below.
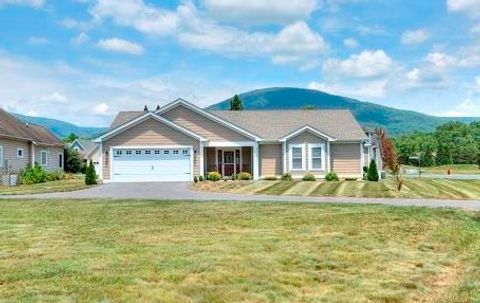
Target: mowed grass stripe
x=301 y=189
x=448 y=190
x=351 y=189
x=255 y=186
x=326 y=188
x=471 y=188
x=278 y=188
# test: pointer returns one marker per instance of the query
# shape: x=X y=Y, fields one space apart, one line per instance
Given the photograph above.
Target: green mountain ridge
x=395 y=121
x=62 y=129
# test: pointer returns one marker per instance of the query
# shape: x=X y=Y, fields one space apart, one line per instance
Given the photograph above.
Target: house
x=180 y=141
x=88 y=150
x=22 y=144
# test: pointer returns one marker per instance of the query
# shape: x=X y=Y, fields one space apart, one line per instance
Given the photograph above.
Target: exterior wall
x=247 y=160
x=10 y=154
x=76 y=146
x=210 y=159
x=271 y=160
x=346 y=159
x=53 y=157
x=149 y=133
x=202 y=126
x=306 y=138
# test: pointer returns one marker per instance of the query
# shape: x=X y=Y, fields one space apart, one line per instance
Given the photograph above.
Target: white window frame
x=23 y=153
x=46 y=158
x=322 y=155
x=290 y=153
x=1 y=156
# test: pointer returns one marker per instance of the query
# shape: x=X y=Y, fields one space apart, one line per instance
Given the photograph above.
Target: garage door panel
x=152 y=165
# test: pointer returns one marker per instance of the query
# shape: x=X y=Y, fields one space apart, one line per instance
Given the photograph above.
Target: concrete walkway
x=182 y=191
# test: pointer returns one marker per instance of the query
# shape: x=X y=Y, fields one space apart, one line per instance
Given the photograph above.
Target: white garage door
x=167 y=164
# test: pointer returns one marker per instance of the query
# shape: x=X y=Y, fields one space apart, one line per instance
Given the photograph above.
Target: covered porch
x=231 y=160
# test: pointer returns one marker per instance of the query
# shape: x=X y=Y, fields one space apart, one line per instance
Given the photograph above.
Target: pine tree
x=372 y=171
x=90 y=174
x=236 y=103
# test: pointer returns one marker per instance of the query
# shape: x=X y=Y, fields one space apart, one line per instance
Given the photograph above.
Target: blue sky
x=84 y=60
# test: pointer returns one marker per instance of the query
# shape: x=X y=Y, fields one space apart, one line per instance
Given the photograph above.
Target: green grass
x=454 y=168
x=47 y=187
x=413 y=188
x=154 y=251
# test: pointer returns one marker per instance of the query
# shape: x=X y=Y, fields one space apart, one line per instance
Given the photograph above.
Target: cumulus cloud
x=80 y=39
x=31 y=3
x=467 y=108
x=350 y=43
x=254 y=11
x=468 y=7
x=101 y=109
x=364 y=65
x=415 y=36
x=120 y=46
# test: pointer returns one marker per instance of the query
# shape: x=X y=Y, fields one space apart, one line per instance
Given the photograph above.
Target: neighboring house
x=88 y=150
x=372 y=149
x=22 y=144
x=180 y=140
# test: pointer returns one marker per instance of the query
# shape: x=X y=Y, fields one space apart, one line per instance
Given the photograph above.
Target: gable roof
x=88 y=146
x=11 y=127
x=124 y=117
x=340 y=125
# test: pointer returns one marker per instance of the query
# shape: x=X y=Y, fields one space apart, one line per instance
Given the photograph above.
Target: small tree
x=73 y=161
x=390 y=158
x=70 y=138
x=236 y=103
x=372 y=174
x=90 y=174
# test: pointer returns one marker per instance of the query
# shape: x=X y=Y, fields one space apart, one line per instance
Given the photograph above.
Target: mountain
x=62 y=129
x=395 y=121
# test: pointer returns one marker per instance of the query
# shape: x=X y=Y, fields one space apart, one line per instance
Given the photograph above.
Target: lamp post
x=418 y=158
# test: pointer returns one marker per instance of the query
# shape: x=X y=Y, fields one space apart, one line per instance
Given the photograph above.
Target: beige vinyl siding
x=202 y=126
x=149 y=133
x=10 y=154
x=270 y=159
x=306 y=138
x=247 y=159
x=210 y=159
x=53 y=153
x=346 y=159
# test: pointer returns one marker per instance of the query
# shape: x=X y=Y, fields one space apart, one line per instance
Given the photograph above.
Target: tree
x=90 y=174
x=73 y=161
x=236 y=103
x=372 y=174
x=390 y=158
x=70 y=138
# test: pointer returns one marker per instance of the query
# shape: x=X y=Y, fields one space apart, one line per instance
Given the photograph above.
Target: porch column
x=329 y=157
x=255 y=161
x=284 y=156
x=201 y=155
x=32 y=151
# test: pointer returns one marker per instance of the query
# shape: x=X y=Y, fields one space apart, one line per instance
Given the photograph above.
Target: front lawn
x=154 y=251
x=455 y=169
x=413 y=188
x=46 y=187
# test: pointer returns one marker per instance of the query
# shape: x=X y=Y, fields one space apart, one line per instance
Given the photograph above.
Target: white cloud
x=363 y=90
x=468 y=7
x=145 y=18
x=55 y=97
x=441 y=60
x=254 y=11
x=32 y=3
x=120 y=46
x=80 y=39
x=364 y=65
x=477 y=82
x=101 y=109
x=34 y=40
x=415 y=36
x=350 y=43
x=467 y=108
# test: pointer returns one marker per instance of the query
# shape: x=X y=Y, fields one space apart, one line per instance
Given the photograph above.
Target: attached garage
x=152 y=164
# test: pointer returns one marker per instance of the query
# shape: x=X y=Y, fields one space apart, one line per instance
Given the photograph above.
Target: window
x=76 y=149
x=157 y=152
x=297 y=157
x=1 y=156
x=60 y=160
x=138 y=152
x=44 y=158
x=19 y=152
x=166 y=152
x=185 y=152
x=316 y=156
x=148 y=152
x=175 y=152
x=128 y=152
x=119 y=152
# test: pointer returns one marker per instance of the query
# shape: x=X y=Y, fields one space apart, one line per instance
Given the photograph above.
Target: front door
x=228 y=163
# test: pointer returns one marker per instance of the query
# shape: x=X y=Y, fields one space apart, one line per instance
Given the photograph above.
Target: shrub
x=244 y=176
x=214 y=176
x=35 y=174
x=55 y=176
x=270 y=178
x=372 y=174
x=331 y=176
x=90 y=174
x=73 y=162
x=309 y=177
x=287 y=177
x=200 y=178
x=365 y=172
x=195 y=179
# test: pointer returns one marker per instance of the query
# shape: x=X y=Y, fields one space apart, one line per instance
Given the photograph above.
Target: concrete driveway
x=182 y=191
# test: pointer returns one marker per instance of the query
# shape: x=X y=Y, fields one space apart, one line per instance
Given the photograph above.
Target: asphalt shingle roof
x=124 y=117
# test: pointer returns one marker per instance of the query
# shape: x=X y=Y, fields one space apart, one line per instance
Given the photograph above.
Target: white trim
x=284 y=152
x=256 y=167
x=32 y=151
x=23 y=153
x=310 y=158
x=152 y=147
x=76 y=140
x=362 y=161
x=307 y=128
x=202 y=159
x=144 y=117
x=1 y=156
x=100 y=161
x=290 y=156
x=329 y=157
x=230 y=143
x=46 y=157
x=206 y=114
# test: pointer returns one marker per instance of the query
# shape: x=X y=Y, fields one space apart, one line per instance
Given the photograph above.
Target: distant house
x=22 y=144
x=372 y=149
x=88 y=150
x=180 y=141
